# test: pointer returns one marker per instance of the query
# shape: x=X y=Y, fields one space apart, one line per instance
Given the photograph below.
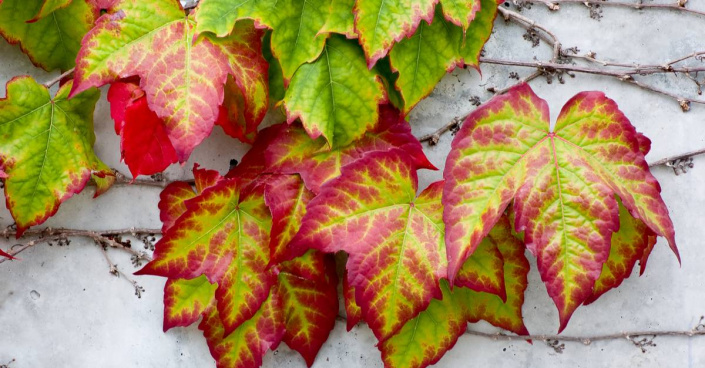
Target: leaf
x=489 y=307
x=287 y=198
x=394 y=240
x=425 y=339
x=46 y=148
x=172 y=200
x=184 y=82
x=224 y=236
x=144 y=144
x=630 y=244
x=185 y=300
x=277 y=88
x=484 y=271
x=563 y=184
x=353 y=313
x=340 y=19
x=295 y=25
x=50 y=42
x=48 y=7
x=6 y=255
x=172 y=203
x=246 y=345
x=380 y=23
x=235 y=118
x=102 y=184
x=462 y=12
x=424 y=59
x=291 y=151
x=309 y=302
x=336 y=96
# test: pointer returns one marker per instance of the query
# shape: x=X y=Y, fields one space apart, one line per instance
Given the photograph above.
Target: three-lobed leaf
x=394 y=239
x=183 y=78
x=46 y=148
x=426 y=338
x=563 y=183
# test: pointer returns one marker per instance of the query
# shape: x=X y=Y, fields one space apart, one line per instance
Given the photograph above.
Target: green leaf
x=462 y=12
x=380 y=23
x=295 y=24
x=51 y=42
x=336 y=96
x=424 y=59
x=46 y=148
x=340 y=19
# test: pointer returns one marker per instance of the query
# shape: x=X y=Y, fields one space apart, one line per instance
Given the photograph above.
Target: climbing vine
x=249 y=253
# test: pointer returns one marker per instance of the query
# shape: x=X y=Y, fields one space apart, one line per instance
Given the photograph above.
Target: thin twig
x=59 y=78
x=100 y=236
x=585 y=340
x=555 y=5
x=115 y=271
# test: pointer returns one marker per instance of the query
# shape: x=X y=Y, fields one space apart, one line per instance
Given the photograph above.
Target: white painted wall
x=60 y=308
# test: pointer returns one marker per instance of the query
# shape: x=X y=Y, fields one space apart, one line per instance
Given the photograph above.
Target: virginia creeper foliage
x=249 y=255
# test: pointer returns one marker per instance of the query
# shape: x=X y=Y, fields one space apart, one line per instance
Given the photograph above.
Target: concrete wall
x=60 y=308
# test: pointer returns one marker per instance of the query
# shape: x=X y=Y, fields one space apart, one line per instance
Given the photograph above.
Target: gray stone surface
x=60 y=308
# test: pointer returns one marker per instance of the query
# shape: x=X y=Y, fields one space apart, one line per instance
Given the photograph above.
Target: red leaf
x=144 y=142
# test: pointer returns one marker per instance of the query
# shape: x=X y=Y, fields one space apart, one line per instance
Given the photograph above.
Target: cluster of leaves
x=175 y=74
x=579 y=197
x=250 y=253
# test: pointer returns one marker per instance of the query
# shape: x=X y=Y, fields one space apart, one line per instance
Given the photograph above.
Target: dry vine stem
x=101 y=237
x=676 y=5
x=625 y=75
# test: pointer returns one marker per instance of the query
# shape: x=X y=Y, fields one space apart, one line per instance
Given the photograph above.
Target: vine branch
x=101 y=237
x=677 y=5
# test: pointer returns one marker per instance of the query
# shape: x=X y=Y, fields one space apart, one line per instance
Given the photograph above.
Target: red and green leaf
x=46 y=148
x=237 y=119
x=309 y=302
x=563 y=184
x=292 y=151
x=224 y=236
x=491 y=308
x=394 y=240
x=247 y=344
x=633 y=242
x=50 y=42
x=184 y=82
x=353 y=313
x=425 y=339
x=287 y=198
x=185 y=301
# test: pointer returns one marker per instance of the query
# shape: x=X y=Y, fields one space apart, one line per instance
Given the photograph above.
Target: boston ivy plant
x=250 y=253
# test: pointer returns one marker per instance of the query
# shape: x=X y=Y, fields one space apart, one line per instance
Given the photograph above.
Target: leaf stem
x=59 y=78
